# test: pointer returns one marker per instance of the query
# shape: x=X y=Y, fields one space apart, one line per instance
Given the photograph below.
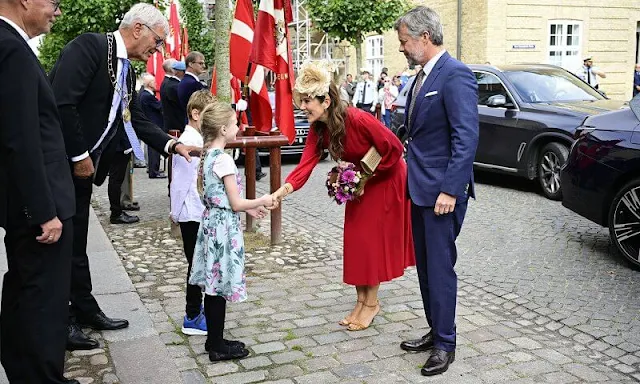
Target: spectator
x=589 y=74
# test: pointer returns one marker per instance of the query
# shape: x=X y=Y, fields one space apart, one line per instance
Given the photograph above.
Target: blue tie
x=128 y=128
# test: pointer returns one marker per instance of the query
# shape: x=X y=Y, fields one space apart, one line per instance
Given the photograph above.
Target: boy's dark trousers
x=189 y=230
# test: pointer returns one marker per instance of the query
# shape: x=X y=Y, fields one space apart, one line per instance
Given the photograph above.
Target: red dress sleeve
x=310 y=158
x=386 y=143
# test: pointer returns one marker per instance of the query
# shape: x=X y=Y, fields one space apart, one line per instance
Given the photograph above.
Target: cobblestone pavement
x=543 y=297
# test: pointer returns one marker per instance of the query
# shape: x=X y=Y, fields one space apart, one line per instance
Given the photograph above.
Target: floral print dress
x=218 y=260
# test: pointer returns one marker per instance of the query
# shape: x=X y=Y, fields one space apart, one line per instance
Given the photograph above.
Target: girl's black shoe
x=229 y=343
x=228 y=353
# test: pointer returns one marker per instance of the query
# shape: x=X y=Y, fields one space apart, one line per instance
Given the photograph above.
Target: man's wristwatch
x=172 y=148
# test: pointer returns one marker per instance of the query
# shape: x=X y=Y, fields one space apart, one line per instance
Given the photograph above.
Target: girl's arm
x=239 y=204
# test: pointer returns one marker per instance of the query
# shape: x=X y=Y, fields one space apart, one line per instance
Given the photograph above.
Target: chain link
x=112 y=74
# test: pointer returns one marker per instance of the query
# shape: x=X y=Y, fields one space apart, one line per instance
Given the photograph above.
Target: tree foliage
x=200 y=32
x=353 y=20
x=79 y=17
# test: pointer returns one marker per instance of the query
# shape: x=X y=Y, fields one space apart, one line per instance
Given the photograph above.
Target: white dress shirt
x=15 y=26
x=186 y=204
x=431 y=64
x=370 y=93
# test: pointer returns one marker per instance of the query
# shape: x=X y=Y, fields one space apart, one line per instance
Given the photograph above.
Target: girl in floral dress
x=218 y=261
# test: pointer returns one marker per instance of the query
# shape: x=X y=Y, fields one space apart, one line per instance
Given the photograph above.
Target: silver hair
x=147 y=78
x=145 y=14
x=168 y=66
x=420 y=20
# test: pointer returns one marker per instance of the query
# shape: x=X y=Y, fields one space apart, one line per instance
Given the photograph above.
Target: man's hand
x=83 y=169
x=186 y=151
x=373 y=107
x=51 y=231
x=444 y=204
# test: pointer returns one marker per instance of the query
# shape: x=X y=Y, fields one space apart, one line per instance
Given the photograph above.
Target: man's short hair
x=145 y=14
x=192 y=57
x=199 y=100
x=168 y=66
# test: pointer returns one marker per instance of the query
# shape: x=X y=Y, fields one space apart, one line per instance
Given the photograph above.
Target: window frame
x=370 y=45
x=563 y=47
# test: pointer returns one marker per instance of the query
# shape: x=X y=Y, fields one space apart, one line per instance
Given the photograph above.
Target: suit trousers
x=117 y=174
x=189 y=231
x=83 y=304
x=154 y=162
x=35 y=297
x=125 y=194
x=434 y=239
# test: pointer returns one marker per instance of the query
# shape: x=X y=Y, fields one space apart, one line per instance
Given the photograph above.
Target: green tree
x=352 y=20
x=200 y=32
x=79 y=17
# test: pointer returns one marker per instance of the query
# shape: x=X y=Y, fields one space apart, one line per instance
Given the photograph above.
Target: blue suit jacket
x=443 y=136
x=152 y=108
x=187 y=86
x=636 y=81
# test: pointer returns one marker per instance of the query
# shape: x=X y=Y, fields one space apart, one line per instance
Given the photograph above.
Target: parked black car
x=601 y=179
x=528 y=116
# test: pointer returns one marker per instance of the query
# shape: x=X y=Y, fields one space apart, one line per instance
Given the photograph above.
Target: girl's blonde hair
x=212 y=118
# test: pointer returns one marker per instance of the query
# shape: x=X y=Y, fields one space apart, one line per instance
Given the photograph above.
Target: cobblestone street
x=543 y=297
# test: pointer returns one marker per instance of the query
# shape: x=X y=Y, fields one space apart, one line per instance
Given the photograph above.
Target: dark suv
x=528 y=116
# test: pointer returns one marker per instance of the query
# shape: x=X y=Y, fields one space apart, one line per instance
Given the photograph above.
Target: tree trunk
x=221 y=46
x=358 y=45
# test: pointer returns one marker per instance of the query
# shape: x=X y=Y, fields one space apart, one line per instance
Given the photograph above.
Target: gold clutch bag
x=370 y=161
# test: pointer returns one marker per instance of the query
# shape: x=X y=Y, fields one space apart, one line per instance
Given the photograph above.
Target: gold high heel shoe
x=357 y=326
x=344 y=322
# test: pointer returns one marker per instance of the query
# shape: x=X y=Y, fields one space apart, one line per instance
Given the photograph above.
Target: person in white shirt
x=366 y=94
x=589 y=74
x=386 y=96
x=187 y=207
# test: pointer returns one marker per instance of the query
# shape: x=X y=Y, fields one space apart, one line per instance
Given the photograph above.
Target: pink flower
x=216 y=200
x=234 y=243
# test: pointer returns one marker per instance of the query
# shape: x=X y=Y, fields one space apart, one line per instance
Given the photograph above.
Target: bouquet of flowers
x=344 y=183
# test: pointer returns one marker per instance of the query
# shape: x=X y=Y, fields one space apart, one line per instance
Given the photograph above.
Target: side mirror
x=497 y=101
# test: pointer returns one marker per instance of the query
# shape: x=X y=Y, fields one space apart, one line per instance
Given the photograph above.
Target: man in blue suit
x=636 y=80
x=442 y=123
x=191 y=82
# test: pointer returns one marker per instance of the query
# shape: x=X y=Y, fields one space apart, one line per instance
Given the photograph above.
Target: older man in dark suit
x=171 y=109
x=94 y=86
x=152 y=108
x=443 y=129
x=36 y=203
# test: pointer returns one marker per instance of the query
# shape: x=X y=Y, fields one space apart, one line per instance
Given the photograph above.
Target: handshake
x=270 y=202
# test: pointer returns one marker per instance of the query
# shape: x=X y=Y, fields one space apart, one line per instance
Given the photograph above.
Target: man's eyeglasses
x=200 y=62
x=56 y=4
x=159 y=40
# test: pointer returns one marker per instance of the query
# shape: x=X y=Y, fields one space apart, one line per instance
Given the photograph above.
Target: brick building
x=559 y=32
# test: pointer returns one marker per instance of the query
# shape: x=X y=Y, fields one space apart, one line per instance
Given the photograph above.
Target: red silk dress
x=378 y=245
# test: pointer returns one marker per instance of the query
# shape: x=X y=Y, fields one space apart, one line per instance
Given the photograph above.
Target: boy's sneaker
x=196 y=326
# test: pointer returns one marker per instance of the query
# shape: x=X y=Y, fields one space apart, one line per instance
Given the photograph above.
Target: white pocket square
x=432 y=93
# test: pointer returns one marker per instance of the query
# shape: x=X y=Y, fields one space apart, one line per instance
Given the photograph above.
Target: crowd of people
x=84 y=122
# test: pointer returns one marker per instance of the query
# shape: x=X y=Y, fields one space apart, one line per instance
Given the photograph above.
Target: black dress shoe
x=438 y=362
x=77 y=340
x=422 y=344
x=260 y=176
x=101 y=322
x=124 y=218
x=158 y=176
x=228 y=353
x=130 y=207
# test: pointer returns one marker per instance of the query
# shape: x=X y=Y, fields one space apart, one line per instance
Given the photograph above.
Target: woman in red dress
x=378 y=245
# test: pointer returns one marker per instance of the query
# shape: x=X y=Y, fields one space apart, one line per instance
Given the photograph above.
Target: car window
x=551 y=85
x=489 y=85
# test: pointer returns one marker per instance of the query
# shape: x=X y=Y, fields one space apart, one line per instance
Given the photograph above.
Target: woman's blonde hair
x=212 y=118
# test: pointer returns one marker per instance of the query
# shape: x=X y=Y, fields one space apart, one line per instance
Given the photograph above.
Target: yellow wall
x=492 y=27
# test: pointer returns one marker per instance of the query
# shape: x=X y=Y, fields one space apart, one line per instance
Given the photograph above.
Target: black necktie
x=589 y=76
x=364 y=92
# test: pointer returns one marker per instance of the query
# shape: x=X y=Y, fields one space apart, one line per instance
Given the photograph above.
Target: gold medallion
x=126 y=115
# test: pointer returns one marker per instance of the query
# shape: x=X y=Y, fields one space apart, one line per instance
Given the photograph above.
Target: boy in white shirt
x=187 y=207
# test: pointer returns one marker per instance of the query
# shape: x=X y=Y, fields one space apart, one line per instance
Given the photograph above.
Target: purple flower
x=348 y=176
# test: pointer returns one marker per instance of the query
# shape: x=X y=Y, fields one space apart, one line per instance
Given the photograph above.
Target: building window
x=564 y=43
x=375 y=55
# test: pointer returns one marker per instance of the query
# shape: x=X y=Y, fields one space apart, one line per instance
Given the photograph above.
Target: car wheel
x=624 y=225
x=552 y=158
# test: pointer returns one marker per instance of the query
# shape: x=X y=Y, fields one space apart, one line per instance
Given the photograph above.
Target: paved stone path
x=543 y=298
